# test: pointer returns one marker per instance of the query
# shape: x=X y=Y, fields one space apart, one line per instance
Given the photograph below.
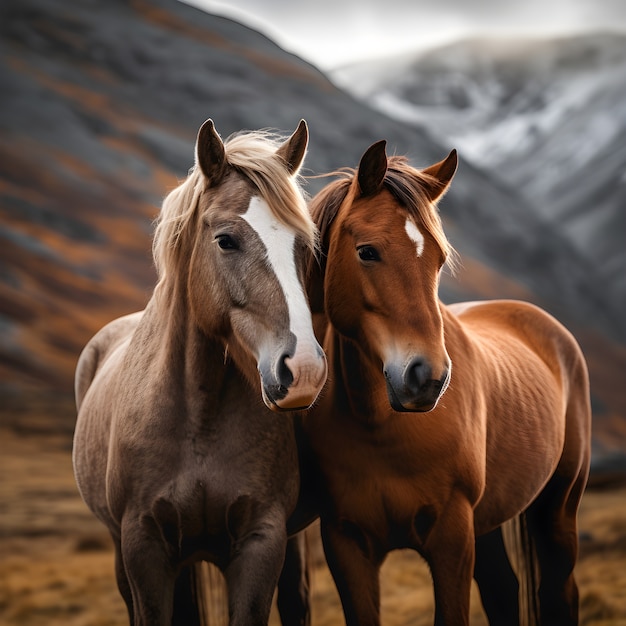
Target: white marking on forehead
x=414 y=235
x=279 y=242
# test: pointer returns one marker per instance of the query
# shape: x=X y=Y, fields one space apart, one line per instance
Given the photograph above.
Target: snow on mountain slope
x=496 y=99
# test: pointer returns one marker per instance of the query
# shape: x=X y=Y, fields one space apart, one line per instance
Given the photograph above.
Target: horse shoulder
x=91 y=435
x=99 y=349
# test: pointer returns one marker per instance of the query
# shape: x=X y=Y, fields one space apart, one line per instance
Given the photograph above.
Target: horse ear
x=442 y=172
x=293 y=150
x=210 y=154
x=372 y=168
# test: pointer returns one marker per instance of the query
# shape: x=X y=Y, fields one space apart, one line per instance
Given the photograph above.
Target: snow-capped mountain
x=547 y=117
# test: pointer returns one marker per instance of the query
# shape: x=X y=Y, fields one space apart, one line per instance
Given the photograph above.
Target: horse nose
x=308 y=369
x=277 y=380
x=417 y=374
x=413 y=387
x=284 y=374
x=296 y=380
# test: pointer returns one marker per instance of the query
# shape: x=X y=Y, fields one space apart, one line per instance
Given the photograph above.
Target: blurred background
x=100 y=103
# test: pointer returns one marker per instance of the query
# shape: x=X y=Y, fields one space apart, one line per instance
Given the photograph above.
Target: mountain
x=548 y=117
x=101 y=102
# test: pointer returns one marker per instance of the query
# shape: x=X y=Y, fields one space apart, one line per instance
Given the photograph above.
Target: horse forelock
x=253 y=155
x=407 y=185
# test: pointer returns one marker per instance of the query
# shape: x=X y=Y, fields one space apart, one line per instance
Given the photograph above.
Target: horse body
x=531 y=378
x=438 y=424
x=174 y=449
x=165 y=398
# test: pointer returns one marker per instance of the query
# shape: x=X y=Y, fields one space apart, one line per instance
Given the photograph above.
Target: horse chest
x=385 y=490
x=200 y=477
x=395 y=513
x=202 y=509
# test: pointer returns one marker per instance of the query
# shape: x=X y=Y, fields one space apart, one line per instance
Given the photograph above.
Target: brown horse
x=439 y=423
x=174 y=450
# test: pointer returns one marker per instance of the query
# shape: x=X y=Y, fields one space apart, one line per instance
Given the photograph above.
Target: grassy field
x=56 y=560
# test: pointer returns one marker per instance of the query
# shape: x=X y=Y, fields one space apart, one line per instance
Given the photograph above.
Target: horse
x=184 y=444
x=441 y=427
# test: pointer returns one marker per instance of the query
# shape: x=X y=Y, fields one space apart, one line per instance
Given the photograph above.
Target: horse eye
x=368 y=253
x=226 y=242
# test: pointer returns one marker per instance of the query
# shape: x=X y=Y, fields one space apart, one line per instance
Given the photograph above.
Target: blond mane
x=252 y=154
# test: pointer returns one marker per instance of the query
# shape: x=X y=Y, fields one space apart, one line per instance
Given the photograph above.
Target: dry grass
x=57 y=561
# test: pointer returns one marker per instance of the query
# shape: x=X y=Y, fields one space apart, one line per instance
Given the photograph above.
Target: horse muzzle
x=293 y=383
x=413 y=388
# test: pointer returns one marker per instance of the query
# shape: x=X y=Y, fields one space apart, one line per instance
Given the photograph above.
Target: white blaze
x=279 y=242
x=414 y=235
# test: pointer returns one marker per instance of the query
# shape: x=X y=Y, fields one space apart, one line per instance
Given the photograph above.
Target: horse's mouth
x=426 y=400
x=282 y=402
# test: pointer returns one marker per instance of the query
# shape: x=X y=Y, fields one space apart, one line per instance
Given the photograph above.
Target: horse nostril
x=418 y=374
x=285 y=377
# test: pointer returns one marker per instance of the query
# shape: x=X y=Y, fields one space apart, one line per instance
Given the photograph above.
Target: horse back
x=503 y=323
x=99 y=349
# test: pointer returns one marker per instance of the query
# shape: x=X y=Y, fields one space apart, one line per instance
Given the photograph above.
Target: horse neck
x=358 y=382
x=182 y=353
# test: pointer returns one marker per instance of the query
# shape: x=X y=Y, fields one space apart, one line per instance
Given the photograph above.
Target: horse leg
x=122 y=580
x=355 y=566
x=449 y=549
x=293 y=584
x=186 y=612
x=151 y=576
x=252 y=574
x=552 y=524
x=496 y=580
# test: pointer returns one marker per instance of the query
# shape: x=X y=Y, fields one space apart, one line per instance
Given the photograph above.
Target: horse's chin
x=280 y=409
x=420 y=405
x=401 y=408
x=286 y=404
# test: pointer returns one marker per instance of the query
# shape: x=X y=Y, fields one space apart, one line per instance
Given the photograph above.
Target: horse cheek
x=340 y=307
x=207 y=298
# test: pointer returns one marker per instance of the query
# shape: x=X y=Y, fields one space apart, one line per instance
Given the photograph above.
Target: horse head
x=243 y=249
x=385 y=250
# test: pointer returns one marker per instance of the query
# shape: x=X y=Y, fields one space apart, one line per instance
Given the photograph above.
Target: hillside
x=101 y=103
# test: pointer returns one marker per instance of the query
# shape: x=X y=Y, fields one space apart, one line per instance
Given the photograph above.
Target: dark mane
x=324 y=206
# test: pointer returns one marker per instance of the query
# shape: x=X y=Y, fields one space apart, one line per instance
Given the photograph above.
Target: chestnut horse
x=174 y=449
x=439 y=423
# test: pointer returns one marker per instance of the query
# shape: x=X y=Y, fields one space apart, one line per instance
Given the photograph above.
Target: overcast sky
x=330 y=33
